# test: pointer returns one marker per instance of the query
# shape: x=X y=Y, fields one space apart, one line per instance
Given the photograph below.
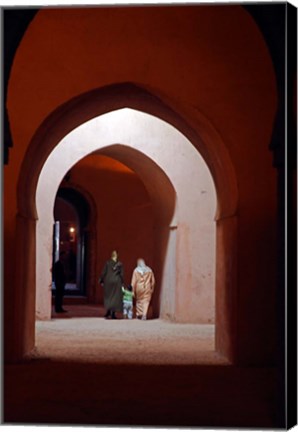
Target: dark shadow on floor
x=51 y=392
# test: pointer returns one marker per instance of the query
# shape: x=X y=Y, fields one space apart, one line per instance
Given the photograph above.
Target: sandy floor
x=74 y=337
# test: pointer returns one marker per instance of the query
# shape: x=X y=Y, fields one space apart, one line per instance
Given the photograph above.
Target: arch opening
x=198 y=130
x=225 y=212
x=71 y=221
x=177 y=222
x=136 y=222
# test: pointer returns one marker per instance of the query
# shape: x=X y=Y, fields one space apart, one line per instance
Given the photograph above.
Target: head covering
x=113 y=254
x=142 y=267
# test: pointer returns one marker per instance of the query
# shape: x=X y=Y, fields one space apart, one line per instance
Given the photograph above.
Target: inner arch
x=180 y=186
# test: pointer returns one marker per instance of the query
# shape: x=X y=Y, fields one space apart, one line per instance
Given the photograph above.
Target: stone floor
x=91 y=371
x=82 y=334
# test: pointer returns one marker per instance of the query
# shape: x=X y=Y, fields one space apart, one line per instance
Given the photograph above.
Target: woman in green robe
x=112 y=280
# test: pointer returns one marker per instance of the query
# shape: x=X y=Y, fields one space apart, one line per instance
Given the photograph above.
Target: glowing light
x=72 y=229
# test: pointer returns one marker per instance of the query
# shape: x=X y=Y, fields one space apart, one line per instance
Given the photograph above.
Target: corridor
x=163 y=141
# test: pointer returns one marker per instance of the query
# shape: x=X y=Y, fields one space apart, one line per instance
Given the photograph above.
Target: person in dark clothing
x=112 y=280
x=59 y=279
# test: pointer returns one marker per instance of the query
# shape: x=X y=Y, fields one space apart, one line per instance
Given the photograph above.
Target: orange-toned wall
x=124 y=213
x=209 y=60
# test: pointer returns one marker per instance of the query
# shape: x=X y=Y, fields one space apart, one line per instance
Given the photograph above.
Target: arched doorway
x=124 y=221
x=183 y=228
x=226 y=223
x=73 y=208
x=114 y=227
x=71 y=216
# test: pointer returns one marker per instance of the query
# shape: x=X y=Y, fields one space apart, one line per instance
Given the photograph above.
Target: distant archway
x=214 y=153
x=75 y=239
x=163 y=199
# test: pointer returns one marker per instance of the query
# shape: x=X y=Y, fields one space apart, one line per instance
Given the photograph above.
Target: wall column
x=23 y=321
x=226 y=286
x=168 y=286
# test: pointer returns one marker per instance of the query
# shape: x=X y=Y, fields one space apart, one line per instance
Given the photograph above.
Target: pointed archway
x=213 y=152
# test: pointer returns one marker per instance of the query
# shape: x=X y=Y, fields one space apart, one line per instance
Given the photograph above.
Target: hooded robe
x=143 y=283
x=112 y=279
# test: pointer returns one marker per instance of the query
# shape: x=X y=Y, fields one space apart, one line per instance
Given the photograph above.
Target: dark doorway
x=71 y=214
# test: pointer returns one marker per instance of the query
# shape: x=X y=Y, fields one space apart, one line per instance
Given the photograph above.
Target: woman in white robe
x=143 y=283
